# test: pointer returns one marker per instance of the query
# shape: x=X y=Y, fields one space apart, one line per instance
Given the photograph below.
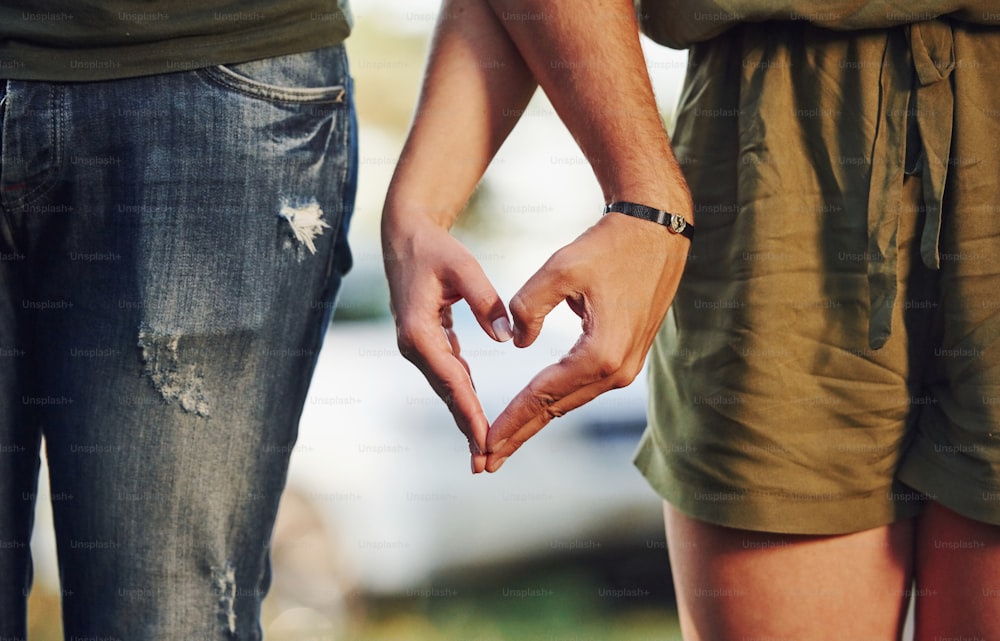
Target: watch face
x=677 y=224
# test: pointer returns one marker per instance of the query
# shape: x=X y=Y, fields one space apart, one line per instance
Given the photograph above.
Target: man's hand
x=619 y=277
x=428 y=272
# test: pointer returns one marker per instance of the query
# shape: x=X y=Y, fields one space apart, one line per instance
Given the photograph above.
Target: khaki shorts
x=832 y=359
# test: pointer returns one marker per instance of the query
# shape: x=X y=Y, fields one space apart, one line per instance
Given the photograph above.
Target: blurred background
x=383 y=532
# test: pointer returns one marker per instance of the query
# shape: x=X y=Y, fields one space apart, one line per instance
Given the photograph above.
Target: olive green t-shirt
x=74 y=40
x=681 y=23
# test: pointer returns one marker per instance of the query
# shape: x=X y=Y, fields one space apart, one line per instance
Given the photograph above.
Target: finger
x=430 y=349
x=577 y=379
x=478 y=463
x=476 y=446
x=452 y=383
x=532 y=303
x=456 y=348
x=486 y=305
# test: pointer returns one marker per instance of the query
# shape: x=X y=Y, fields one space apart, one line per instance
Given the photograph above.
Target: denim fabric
x=170 y=253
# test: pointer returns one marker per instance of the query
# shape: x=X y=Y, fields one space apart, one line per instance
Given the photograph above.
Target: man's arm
x=586 y=56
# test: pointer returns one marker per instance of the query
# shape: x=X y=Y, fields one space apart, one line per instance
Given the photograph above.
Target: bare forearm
x=475 y=87
x=586 y=56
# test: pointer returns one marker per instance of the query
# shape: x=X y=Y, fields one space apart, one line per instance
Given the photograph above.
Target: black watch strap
x=674 y=222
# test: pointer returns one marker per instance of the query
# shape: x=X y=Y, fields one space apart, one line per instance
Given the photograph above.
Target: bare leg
x=958 y=577
x=736 y=585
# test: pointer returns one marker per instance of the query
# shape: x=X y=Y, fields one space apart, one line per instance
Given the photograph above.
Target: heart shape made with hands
x=503 y=373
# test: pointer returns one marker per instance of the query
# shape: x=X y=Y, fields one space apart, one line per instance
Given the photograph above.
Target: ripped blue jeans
x=170 y=253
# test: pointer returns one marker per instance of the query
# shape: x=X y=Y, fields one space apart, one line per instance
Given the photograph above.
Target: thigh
x=191 y=254
x=958 y=576
x=734 y=585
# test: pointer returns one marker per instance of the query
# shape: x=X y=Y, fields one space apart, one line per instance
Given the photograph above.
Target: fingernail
x=502 y=329
x=499 y=464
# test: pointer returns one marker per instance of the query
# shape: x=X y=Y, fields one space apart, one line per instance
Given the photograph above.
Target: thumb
x=533 y=302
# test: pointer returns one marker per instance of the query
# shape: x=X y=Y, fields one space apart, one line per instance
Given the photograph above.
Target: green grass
x=566 y=606
x=581 y=598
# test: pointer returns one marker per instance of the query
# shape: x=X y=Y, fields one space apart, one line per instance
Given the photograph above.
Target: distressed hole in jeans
x=306 y=222
x=177 y=383
x=224 y=580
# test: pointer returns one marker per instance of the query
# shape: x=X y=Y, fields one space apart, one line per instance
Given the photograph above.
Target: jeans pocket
x=313 y=77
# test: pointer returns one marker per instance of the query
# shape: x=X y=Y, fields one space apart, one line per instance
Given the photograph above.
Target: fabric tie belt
x=914 y=83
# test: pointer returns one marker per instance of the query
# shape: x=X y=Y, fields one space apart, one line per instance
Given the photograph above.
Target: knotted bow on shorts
x=916 y=90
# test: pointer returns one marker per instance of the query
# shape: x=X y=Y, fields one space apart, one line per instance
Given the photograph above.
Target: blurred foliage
x=387 y=65
x=44 y=616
